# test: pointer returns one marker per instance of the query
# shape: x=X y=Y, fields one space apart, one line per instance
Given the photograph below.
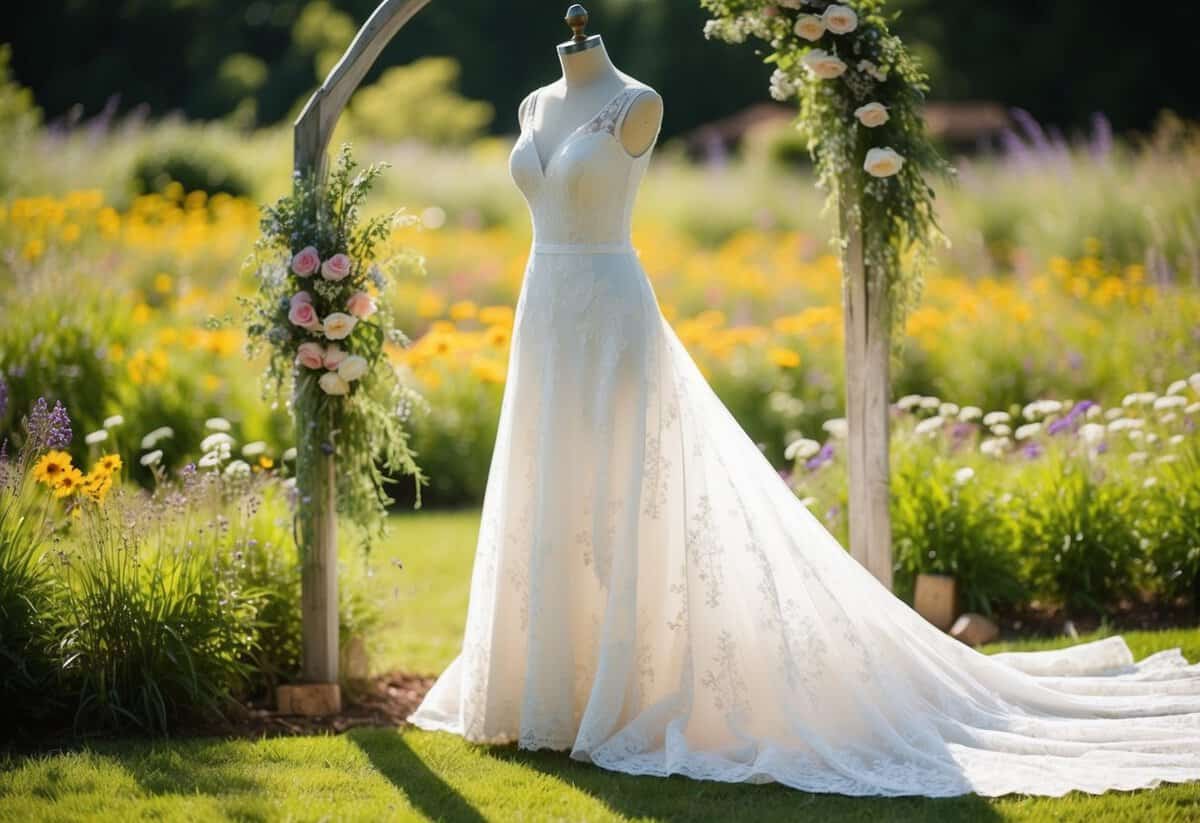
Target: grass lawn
x=384 y=774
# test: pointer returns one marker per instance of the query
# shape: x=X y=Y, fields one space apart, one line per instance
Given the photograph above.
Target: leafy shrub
x=1080 y=528
x=193 y=167
x=944 y=521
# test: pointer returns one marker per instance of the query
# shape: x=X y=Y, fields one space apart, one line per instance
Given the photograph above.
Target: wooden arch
x=867 y=389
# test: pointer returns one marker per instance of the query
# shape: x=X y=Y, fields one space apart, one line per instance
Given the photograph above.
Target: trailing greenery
x=317 y=314
x=860 y=95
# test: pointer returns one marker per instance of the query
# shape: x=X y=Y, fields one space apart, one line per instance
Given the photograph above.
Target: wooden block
x=309 y=699
x=934 y=599
x=974 y=629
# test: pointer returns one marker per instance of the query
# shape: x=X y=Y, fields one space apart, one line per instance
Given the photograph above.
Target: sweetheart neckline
x=544 y=169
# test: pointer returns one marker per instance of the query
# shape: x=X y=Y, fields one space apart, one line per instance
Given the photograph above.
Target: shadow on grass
x=683 y=798
x=393 y=758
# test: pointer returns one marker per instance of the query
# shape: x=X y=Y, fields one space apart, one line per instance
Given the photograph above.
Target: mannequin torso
x=589 y=81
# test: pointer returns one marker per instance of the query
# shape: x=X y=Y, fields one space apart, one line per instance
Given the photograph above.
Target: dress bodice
x=583 y=193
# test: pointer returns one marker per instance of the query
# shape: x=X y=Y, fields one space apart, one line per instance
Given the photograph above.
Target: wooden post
x=867 y=347
x=312 y=131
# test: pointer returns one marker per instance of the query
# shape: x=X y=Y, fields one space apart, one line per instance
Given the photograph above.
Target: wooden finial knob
x=577 y=19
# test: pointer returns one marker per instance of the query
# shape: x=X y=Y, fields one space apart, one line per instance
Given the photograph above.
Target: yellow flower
x=108 y=464
x=784 y=358
x=266 y=462
x=51 y=467
x=463 y=310
x=498 y=336
x=96 y=485
x=68 y=482
x=162 y=283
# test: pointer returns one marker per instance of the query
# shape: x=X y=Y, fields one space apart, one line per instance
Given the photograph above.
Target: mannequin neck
x=582 y=68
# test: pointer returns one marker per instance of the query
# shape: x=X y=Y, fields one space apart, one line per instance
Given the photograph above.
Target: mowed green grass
x=387 y=774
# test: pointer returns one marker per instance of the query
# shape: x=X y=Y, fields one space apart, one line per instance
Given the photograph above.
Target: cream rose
x=332 y=383
x=352 y=368
x=810 y=27
x=338 y=326
x=883 y=162
x=361 y=305
x=311 y=355
x=336 y=267
x=303 y=314
x=840 y=19
x=823 y=65
x=306 y=261
x=334 y=355
x=872 y=115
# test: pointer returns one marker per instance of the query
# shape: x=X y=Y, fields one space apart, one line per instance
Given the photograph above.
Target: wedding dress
x=649 y=594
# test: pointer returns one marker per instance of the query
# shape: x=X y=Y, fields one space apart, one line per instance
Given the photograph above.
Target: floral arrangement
x=859 y=93
x=320 y=314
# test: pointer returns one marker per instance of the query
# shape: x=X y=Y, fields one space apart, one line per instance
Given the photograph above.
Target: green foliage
x=19 y=120
x=1079 y=524
x=419 y=101
x=1169 y=523
x=360 y=419
x=945 y=521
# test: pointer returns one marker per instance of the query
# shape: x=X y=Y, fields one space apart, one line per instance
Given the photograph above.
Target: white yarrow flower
x=237 y=468
x=969 y=413
x=992 y=418
x=152 y=458
x=1144 y=398
x=114 y=421
x=994 y=446
x=801 y=449
x=1001 y=429
x=216 y=440
x=1027 y=431
x=948 y=409
x=930 y=425
x=98 y=436
x=908 y=401
x=254 y=449
x=1178 y=387
x=837 y=426
x=929 y=402
x=1171 y=401
x=161 y=433
x=1138 y=457
x=290 y=454
x=1092 y=433
x=963 y=475
x=217 y=424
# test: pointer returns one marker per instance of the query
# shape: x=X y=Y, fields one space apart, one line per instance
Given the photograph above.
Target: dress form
x=589 y=80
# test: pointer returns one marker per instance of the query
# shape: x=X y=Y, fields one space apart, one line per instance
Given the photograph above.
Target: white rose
x=352 y=368
x=883 y=162
x=339 y=325
x=810 y=27
x=872 y=115
x=332 y=383
x=823 y=65
x=840 y=19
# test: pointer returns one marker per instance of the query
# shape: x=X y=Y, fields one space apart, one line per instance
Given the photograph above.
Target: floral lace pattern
x=650 y=597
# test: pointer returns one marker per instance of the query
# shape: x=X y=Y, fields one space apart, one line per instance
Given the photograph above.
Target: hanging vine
x=860 y=95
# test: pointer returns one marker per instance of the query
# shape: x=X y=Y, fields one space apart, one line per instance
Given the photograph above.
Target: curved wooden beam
x=314 y=126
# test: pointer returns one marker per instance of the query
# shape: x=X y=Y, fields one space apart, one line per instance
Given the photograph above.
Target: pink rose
x=301 y=297
x=303 y=314
x=334 y=356
x=361 y=305
x=311 y=355
x=306 y=261
x=336 y=267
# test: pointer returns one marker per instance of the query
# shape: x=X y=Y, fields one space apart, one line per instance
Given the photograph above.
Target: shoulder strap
x=525 y=110
x=628 y=99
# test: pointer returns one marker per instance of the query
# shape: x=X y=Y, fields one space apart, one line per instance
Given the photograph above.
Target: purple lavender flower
x=48 y=428
x=822 y=457
x=1033 y=450
x=3 y=396
x=1071 y=420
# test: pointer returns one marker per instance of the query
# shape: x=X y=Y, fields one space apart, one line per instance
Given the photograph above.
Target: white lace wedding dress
x=648 y=593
